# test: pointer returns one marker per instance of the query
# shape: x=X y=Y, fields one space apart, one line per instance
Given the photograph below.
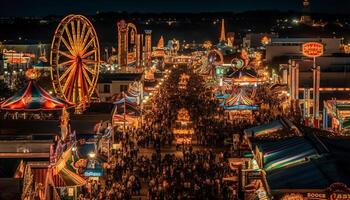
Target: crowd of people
x=195 y=97
x=196 y=174
x=121 y=179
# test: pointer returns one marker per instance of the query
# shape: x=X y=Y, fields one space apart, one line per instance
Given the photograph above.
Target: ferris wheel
x=75 y=60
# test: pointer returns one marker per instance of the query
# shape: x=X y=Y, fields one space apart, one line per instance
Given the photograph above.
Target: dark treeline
x=183 y=26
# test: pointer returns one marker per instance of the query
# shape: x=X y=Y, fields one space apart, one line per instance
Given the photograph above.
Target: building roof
x=301 y=40
x=307 y=162
x=238 y=100
x=110 y=77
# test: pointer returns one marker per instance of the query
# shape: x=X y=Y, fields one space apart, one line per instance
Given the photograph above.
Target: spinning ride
x=75 y=60
x=209 y=62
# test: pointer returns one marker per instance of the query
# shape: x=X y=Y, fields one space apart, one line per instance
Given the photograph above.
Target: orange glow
x=265 y=40
x=32 y=74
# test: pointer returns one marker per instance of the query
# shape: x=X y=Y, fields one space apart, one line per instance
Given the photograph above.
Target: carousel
x=183 y=127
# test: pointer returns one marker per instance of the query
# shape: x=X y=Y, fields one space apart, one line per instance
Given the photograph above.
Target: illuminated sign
x=314 y=195
x=312 y=49
x=220 y=71
x=93 y=173
x=70 y=191
x=339 y=196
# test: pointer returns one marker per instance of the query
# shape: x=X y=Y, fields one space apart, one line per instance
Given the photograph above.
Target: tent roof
x=239 y=101
x=34 y=98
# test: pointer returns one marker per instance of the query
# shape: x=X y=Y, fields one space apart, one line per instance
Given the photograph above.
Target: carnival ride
x=183 y=127
x=235 y=85
x=129 y=49
x=75 y=60
x=243 y=87
x=209 y=62
x=173 y=46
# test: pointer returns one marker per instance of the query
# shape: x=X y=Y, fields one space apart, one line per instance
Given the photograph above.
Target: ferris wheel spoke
x=89 y=53
x=74 y=34
x=79 y=83
x=74 y=91
x=65 y=63
x=86 y=37
x=67 y=72
x=78 y=33
x=88 y=61
x=86 y=75
x=88 y=69
x=70 y=38
x=67 y=46
x=92 y=40
x=70 y=91
x=68 y=83
x=86 y=85
x=82 y=34
x=66 y=55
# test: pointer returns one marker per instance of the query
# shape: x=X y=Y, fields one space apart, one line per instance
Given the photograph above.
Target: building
x=306 y=18
x=297 y=163
x=255 y=40
x=111 y=84
x=280 y=48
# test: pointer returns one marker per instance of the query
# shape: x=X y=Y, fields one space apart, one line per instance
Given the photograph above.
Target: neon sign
x=312 y=49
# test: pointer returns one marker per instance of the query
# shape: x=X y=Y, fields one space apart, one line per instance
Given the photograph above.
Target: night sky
x=62 y=7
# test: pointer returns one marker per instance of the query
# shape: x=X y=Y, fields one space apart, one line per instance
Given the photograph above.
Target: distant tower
x=223 y=33
x=160 y=44
x=122 y=43
x=148 y=47
x=305 y=18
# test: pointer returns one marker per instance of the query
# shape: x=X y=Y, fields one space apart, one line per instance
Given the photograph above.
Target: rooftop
x=110 y=77
x=304 y=162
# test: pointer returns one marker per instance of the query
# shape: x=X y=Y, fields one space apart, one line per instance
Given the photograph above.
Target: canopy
x=34 y=98
x=65 y=174
x=239 y=101
x=264 y=129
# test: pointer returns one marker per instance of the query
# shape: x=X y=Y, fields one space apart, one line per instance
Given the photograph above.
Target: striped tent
x=34 y=98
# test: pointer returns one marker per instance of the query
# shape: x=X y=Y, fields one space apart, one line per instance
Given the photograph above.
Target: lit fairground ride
x=75 y=60
x=209 y=62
